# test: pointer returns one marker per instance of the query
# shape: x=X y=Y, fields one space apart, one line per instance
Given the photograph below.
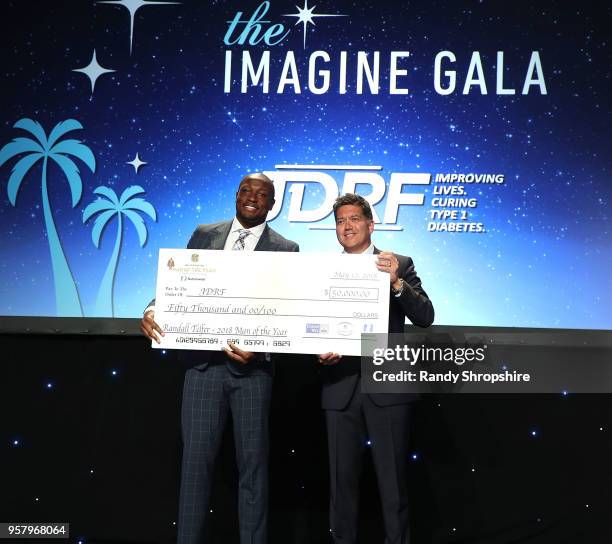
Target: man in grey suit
x=353 y=417
x=234 y=380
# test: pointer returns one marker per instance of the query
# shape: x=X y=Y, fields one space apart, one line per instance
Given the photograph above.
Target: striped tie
x=239 y=243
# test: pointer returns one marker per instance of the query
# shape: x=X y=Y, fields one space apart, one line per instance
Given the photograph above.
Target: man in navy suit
x=354 y=418
x=234 y=380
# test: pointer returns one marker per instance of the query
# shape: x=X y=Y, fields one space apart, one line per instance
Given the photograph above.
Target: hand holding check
x=387 y=262
x=150 y=328
x=329 y=358
x=238 y=355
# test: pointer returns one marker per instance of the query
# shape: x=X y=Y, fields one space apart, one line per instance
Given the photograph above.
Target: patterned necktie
x=239 y=243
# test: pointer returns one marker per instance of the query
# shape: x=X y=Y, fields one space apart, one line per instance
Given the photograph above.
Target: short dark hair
x=351 y=199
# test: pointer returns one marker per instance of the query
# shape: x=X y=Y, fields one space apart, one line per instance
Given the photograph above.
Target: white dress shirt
x=369 y=249
x=250 y=241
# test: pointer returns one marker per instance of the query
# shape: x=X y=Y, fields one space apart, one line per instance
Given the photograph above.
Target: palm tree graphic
x=43 y=147
x=108 y=207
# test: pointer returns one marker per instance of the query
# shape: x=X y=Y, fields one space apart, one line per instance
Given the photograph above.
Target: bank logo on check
x=345 y=328
x=316 y=328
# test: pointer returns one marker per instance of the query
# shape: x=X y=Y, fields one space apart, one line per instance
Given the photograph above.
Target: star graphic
x=136 y=163
x=306 y=15
x=133 y=6
x=93 y=71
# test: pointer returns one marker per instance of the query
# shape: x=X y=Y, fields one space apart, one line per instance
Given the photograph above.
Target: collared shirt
x=369 y=249
x=250 y=241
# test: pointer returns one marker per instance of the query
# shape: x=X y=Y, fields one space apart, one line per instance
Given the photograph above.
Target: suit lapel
x=219 y=235
x=263 y=244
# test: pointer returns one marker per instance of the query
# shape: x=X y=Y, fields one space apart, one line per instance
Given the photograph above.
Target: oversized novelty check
x=269 y=301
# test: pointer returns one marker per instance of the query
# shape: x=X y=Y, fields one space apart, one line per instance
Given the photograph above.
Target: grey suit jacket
x=213 y=236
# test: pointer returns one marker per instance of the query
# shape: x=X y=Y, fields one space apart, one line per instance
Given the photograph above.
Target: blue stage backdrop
x=479 y=131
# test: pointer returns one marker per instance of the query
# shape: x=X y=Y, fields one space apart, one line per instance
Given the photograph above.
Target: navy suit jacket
x=340 y=380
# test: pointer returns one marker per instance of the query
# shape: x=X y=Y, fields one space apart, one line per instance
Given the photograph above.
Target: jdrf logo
x=319 y=177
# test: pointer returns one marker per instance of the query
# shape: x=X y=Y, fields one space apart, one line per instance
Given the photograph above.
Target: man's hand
x=329 y=358
x=149 y=328
x=239 y=355
x=387 y=262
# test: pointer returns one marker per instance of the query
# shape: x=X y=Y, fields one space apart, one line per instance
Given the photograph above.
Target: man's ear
x=371 y=226
x=271 y=205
